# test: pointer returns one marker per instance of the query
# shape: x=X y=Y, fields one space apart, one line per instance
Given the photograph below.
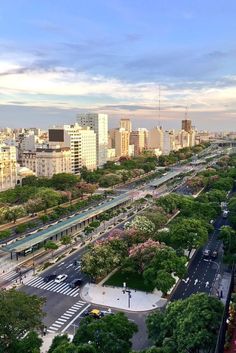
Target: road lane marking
x=79 y=314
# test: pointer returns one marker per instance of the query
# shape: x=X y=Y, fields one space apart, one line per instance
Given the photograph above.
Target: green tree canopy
x=110 y=334
x=20 y=314
x=189 y=325
x=159 y=272
x=188 y=234
x=64 y=181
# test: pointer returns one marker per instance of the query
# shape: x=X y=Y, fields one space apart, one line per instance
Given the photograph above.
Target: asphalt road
x=64 y=306
x=202 y=271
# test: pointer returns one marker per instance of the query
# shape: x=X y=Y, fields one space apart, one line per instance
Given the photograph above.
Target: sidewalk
x=47 y=341
x=114 y=297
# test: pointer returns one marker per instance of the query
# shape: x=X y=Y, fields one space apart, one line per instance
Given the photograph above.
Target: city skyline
x=111 y=57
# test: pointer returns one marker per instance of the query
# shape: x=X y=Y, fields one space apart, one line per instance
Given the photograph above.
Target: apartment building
x=8 y=167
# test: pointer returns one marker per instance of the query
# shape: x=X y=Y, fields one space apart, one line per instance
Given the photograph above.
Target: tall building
x=168 y=142
x=138 y=139
x=122 y=142
x=82 y=144
x=126 y=124
x=8 y=167
x=155 y=138
x=187 y=125
x=98 y=123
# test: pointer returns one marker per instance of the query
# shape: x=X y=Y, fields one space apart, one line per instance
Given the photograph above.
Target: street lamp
x=126 y=290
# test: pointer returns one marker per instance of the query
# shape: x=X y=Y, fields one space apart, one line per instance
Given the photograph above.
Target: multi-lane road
x=64 y=306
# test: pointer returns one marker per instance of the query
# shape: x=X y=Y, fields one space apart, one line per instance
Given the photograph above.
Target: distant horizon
x=113 y=56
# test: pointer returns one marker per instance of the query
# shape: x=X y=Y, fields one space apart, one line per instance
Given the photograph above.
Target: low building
x=53 y=161
x=47 y=162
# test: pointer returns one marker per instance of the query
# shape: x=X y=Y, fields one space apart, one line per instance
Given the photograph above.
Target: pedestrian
x=44 y=330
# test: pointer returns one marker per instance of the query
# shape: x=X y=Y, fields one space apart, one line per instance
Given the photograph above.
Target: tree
x=189 y=325
x=20 y=314
x=141 y=224
x=169 y=203
x=31 y=343
x=34 y=205
x=57 y=342
x=66 y=240
x=159 y=272
x=50 y=245
x=188 y=234
x=110 y=334
x=5 y=234
x=103 y=258
x=228 y=235
x=110 y=179
x=156 y=217
x=64 y=181
x=49 y=198
x=44 y=218
x=13 y=213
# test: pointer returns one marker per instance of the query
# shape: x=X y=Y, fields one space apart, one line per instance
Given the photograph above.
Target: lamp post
x=126 y=290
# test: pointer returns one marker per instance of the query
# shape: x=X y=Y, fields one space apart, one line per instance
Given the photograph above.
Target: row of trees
x=182 y=154
x=160 y=254
x=189 y=325
x=31 y=199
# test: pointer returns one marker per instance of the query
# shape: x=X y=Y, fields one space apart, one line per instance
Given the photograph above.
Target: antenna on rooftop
x=159 y=105
x=186 y=112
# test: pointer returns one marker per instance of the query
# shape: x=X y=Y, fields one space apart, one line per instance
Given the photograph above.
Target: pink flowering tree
x=140 y=255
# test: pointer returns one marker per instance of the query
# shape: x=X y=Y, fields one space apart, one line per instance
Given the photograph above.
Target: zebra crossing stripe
x=62 y=288
x=56 y=325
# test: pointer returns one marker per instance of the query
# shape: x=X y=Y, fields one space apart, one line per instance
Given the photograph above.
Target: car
x=214 y=254
x=106 y=312
x=95 y=313
x=77 y=282
x=50 y=277
x=77 y=262
x=225 y=214
x=206 y=253
x=61 y=278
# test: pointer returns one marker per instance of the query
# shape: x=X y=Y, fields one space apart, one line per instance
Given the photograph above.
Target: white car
x=61 y=278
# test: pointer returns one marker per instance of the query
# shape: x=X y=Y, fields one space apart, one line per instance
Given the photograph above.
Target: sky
x=62 y=57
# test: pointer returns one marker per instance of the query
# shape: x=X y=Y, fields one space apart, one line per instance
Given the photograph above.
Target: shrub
x=5 y=234
x=21 y=228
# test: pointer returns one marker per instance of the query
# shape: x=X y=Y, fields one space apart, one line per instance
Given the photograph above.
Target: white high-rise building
x=168 y=142
x=82 y=144
x=8 y=167
x=98 y=123
x=155 y=138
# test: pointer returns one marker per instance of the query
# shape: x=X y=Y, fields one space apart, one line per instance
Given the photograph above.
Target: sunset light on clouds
x=63 y=57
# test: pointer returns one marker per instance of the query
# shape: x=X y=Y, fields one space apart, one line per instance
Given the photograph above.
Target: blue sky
x=60 y=57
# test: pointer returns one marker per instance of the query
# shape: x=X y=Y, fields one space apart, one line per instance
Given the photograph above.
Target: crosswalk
x=62 y=288
x=8 y=276
x=62 y=320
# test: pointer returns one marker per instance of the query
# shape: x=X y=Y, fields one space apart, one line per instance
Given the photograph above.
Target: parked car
x=206 y=253
x=95 y=313
x=106 y=312
x=214 y=254
x=77 y=282
x=61 y=278
x=225 y=214
x=50 y=277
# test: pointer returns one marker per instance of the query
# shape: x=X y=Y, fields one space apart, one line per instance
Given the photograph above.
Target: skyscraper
x=122 y=142
x=187 y=125
x=98 y=123
x=126 y=124
x=138 y=139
